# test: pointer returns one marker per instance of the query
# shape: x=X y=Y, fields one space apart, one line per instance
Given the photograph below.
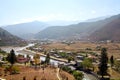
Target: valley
x=71 y=52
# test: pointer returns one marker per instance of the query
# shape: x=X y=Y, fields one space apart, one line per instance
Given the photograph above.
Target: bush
x=15 y=69
x=67 y=69
x=78 y=75
x=63 y=54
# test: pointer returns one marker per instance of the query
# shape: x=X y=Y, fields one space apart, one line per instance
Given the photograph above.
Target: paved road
x=89 y=77
x=86 y=76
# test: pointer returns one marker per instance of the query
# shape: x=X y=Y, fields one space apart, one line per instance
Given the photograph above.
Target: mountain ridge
x=80 y=30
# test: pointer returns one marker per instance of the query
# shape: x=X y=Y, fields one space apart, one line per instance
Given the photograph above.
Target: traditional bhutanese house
x=22 y=59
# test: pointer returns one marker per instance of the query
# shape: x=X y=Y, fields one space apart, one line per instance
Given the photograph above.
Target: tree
x=112 y=61
x=36 y=58
x=70 y=58
x=11 y=57
x=87 y=63
x=103 y=62
x=47 y=60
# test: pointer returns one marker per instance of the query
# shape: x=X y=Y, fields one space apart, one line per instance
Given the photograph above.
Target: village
x=74 y=56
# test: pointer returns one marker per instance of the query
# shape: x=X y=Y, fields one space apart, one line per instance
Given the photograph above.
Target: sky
x=20 y=11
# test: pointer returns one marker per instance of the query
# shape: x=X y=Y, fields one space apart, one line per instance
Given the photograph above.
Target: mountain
x=76 y=30
x=26 y=30
x=71 y=31
x=7 y=39
x=86 y=30
x=110 y=31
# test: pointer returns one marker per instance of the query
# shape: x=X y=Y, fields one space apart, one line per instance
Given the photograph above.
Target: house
x=79 y=57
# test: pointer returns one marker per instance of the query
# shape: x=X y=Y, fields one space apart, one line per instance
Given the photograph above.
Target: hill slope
x=102 y=29
x=7 y=39
x=72 y=31
x=110 y=31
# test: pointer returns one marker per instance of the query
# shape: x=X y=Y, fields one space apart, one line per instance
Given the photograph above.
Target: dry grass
x=31 y=73
x=114 y=74
x=66 y=76
x=113 y=48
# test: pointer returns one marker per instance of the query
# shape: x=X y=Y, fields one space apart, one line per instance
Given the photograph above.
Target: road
x=88 y=76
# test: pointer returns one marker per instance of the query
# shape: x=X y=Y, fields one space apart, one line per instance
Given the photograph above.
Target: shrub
x=67 y=69
x=78 y=75
x=15 y=69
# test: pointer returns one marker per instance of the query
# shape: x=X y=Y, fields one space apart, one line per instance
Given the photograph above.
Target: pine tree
x=11 y=57
x=103 y=62
x=112 y=60
x=47 y=60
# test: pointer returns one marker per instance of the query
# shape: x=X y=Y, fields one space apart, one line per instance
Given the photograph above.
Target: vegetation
x=2 y=52
x=67 y=69
x=70 y=58
x=36 y=58
x=13 y=69
x=47 y=59
x=103 y=62
x=112 y=60
x=87 y=63
x=117 y=65
x=11 y=57
x=78 y=75
x=63 y=54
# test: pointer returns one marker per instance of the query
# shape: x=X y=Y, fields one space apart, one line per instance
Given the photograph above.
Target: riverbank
x=9 y=48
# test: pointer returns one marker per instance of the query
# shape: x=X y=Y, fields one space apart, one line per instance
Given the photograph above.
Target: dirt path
x=58 y=74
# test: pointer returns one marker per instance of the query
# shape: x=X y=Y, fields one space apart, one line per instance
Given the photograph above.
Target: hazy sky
x=17 y=11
